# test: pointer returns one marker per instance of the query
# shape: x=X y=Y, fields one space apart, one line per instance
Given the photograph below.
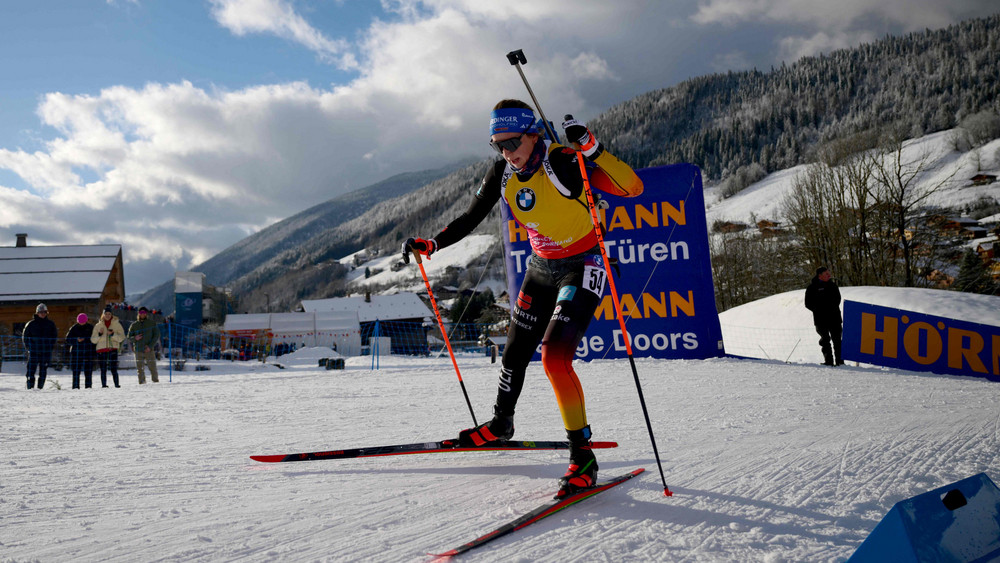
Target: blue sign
x=660 y=240
x=890 y=337
x=188 y=309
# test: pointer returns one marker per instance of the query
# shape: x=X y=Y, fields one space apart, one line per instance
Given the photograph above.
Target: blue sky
x=178 y=127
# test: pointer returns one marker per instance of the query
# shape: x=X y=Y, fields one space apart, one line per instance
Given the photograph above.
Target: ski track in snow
x=768 y=462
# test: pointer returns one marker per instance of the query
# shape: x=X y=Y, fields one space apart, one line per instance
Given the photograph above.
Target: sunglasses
x=510 y=145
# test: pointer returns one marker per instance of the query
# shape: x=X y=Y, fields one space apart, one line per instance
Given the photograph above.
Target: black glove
x=578 y=134
x=423 y=246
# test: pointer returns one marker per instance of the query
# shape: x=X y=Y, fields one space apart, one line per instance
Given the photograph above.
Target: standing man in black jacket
x=39 y=339
x=823 y=299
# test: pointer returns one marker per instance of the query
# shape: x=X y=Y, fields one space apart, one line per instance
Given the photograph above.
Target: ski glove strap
x=578 y=134
x=423 y=246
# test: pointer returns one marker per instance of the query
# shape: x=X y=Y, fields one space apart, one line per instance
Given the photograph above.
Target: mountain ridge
x=737 y=125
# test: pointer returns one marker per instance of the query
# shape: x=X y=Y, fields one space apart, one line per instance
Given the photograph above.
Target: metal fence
x=178 y=342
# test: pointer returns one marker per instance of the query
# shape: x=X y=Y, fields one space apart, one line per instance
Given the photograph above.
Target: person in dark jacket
x=823 y=299
x=81 y=351
x=144 y=336
x=39 y=339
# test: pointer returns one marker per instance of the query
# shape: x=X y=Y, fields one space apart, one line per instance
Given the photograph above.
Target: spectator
x=81 y=351
x=108 y=336
x=39 y=339
x=144 y=335
x=823 y=299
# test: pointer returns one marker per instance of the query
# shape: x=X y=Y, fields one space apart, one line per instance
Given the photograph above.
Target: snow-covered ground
x=779 y=327
x=769 y=461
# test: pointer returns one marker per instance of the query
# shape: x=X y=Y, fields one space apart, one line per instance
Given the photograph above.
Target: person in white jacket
x=107 y=338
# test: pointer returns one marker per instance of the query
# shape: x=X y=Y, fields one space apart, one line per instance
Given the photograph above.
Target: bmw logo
x=525 y=199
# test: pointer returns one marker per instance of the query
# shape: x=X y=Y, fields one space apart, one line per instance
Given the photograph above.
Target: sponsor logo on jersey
x=567 y=293
x=525 y=199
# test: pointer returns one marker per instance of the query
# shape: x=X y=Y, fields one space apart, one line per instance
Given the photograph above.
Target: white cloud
x=277 y=17
x=908 y=15
x=794 y=48
x=181 y=171
x=732 y=60
x=591 y=66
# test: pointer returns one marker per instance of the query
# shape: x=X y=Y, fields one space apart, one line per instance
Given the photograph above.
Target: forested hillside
x=923 y=82
x=736 y=126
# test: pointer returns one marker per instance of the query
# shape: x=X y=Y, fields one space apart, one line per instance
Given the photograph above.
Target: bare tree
x=896 y=186
x=747 y=266
x=856 y=210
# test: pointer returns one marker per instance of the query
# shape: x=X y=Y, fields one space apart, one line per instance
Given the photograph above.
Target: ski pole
x=517 y=58
x=444 y=333
x=618 y=310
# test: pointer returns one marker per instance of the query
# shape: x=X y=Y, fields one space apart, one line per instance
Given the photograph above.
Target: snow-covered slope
x=768 y=461
x=765 y=199
x=780 y=327
x=460 y=255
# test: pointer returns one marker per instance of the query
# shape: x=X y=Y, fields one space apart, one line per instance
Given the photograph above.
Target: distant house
x=994 y=268
x=966 y=227
x=769 y=228
x=982 y=180
x=986 y=250
x=69 y=279
x=940 y=279
x=402 y=317
x=729 y=227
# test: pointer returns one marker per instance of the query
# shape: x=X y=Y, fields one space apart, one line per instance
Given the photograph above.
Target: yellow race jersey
x=550 y=203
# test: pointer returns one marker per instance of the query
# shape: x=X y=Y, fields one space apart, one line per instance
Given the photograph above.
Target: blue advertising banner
x=660 y=239
x=188 y=309
x=890 y=337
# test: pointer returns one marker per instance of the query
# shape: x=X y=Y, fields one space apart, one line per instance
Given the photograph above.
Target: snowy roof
x=41 y=273
x=381 y=307
x=285 y=323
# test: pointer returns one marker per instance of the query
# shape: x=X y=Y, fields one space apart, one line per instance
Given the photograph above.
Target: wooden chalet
x=69 y=279
x=982 y=180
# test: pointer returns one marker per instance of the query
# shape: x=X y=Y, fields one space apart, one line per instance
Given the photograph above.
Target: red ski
x=445 y=446
x=547 y=509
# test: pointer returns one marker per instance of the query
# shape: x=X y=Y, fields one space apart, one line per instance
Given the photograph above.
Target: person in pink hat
x=81 y=351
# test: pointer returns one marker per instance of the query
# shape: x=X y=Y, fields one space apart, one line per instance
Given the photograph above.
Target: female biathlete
x=564 y=282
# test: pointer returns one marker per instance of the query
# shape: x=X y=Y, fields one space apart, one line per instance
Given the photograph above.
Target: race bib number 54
x=594 y=276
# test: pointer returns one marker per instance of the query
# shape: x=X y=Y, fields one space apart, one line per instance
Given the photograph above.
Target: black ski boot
x=499 y=429
x=582 y=471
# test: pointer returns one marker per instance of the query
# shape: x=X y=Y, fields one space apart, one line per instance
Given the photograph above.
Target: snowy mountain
x=768 y=461
x=944 y=163
x=261 y=254
x=734 y=126
x=763 y=200
x=776 y=118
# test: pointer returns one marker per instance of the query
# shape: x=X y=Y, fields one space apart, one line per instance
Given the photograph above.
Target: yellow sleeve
x=615 y=177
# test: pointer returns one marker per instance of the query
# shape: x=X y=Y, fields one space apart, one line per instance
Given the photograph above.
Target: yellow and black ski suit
x=565 y=278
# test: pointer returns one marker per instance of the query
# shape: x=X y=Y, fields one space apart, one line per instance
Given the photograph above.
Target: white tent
x=250 y=322
x=401 y=306
x=339 y=330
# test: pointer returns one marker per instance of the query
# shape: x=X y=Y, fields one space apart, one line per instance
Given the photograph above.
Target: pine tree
x=973 y=277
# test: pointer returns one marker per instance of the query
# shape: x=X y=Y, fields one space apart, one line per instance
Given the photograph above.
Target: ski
x=547 y=509
x=444 y=446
